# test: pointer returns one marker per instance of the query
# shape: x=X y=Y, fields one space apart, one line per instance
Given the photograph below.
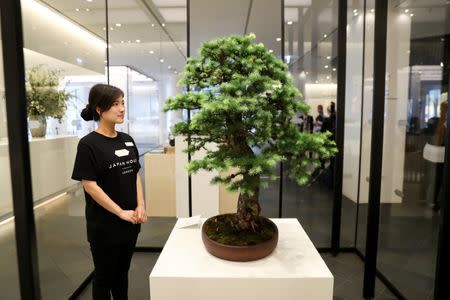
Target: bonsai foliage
x=244 y=101
x=43 y=97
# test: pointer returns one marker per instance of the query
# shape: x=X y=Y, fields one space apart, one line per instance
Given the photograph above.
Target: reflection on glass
x=311 y=54
x=9 y=272
x=72 y=44
x=417 y=54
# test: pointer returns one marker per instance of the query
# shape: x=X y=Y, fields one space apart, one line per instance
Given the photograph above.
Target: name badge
x=129 y=144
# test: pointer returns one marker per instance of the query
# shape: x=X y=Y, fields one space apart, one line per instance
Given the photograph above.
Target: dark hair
x=103 y=97
x=320 y=106
x=332 y=108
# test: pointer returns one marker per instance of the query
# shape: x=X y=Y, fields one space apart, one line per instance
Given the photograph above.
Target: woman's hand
x=129 y=216
x=140 y=214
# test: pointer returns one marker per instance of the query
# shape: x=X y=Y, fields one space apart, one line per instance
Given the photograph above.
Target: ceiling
x=151 y=35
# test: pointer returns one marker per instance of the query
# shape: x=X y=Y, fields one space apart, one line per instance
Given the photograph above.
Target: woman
x=107 y=164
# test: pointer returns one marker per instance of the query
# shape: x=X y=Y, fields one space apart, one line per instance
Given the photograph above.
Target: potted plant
x=43 y=98
x=244 y=101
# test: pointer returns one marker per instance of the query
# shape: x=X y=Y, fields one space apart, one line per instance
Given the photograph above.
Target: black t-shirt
x=113 y=163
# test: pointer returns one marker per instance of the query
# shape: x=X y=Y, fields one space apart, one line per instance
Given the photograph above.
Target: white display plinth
x=295 y=270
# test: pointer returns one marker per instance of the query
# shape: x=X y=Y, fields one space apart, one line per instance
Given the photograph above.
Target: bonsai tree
x=244 y=100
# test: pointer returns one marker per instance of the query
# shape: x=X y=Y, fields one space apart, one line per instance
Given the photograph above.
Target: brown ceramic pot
x=241 y=253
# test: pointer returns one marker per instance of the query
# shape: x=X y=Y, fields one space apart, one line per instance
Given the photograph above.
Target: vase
x=38 y=126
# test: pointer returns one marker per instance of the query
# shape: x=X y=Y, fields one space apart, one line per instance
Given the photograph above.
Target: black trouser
x=111 y=262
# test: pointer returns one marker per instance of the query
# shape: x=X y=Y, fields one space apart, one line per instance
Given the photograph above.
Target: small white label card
x=121 y=152
x=188 y=222
x=129 y=144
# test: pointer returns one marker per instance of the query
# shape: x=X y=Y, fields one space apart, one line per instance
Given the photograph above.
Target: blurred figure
x=319 y=119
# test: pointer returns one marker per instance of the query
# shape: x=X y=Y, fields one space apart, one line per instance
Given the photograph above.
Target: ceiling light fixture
x=138 y=41
x=328 y=57
x=270 y=51
x=412 y=15
x=151 y=51
x=278 y=39
x=290 y=22
x=372 y=10
x=77 y=9
x=326 y=67
x=87 y=9
x=118 y=25
x=161 y=60
x=334 y=69
x=325 y=36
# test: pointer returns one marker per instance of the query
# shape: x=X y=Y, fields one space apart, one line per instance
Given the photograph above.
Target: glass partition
x=236 y=17
x=9 y=272
x=311 y=53
x=64 y=49
x=416 y=103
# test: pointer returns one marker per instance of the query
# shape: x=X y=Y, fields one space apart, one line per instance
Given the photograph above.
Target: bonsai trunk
x=248 y=211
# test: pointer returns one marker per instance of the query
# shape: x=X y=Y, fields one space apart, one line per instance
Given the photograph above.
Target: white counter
x=295 y=270
x=51 y=161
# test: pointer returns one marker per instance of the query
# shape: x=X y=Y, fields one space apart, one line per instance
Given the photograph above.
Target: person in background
x=329 y=123
x=319 y=119
x=107 y=164
x=440 y=141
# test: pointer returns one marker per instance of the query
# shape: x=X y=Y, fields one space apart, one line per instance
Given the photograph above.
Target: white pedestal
x=295 y=270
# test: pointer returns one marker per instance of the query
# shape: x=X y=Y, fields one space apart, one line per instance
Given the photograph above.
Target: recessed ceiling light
x=328 y=57
x=278 y=39
x=270 y=51
x=175 y=72
x=412 y=15
x=290 y=22
x=406 y=10
x=163 y=25
x=77 y=9
x=151 y=51
x=334 y=69
x=79 y=60
x=326 y=67
x=153 y=25
x=442 y=64
x=138 y=41
x=355 y=11
x=112 y=28
x=121 y=42
x=372 y=10
x=328 y=77
x=325 y=36
x=161 y=60
x=169 y=67
x=87 y=9
x=104 y=28
x=118 y=24
x=89 y=0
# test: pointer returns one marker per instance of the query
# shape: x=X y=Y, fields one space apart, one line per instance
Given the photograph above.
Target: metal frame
x=340 y=121
x=280 y=191
x=188 y=54
x=441 y=290
x=19 y=153
x=376 y=153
